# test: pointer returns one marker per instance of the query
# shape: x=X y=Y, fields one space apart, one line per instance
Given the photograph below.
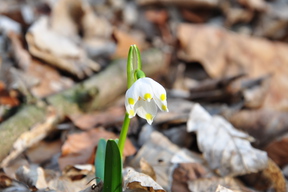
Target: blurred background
x=63 y=79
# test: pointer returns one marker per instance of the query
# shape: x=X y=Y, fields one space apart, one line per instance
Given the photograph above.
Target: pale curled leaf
x=134 y=181
x=226 y=149
x=58 y=50
x=32 y=176
x=220 y=188
x=211 y=184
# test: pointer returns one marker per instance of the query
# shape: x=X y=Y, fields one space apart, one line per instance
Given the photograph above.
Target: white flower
x=143 y=97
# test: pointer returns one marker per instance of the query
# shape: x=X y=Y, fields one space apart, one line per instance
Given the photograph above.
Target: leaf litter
x=225 y=148
x=47 y=47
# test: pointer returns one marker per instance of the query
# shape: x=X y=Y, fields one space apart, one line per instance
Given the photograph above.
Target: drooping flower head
x=143 y=98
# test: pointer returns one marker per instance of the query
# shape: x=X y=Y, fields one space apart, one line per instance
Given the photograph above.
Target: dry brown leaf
x=147 y=169
x=86 y=121
x=263 y=124
x=69 y=17
x=35 y=153
x=161 y=154
x=158 y=152
x=178 y=112
x=270 y=179
x=224 y=53
x=273 y=23
x=159 y=17
x=65 y=17
x=124 y=40
x=134 y=181
x=211 y=184
x=74 y=181
x=41 y=79
x=226 y=149
x=185 y=172
x=185 y=3
x=278 y=150
x=77 y=172
x=259 y=5
x=79 y=148
x=58 y=50
x=7 y=98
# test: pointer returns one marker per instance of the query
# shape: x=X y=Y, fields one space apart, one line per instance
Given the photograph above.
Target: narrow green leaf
x=100 y=160
x=139 y=62
x=130 y=67
x=113 y=168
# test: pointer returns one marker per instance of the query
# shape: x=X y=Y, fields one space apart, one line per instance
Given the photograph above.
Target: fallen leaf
x=14 y=165
x=185 y=172
x=65 y=183
x=58 y=50
x=68 y=18
x=219 y=52
x=225 y=148
x=211 y=184
x=77 y=172
x=124 y=40
x=32 y=176
x=178 y=111
x=163 y=156
x=185 y=3
x=220 y=188
x=259 y=5
x=7 y=97
x=272 y=24
x=159 y=17
x=264 y=125
x=79 y=148
x=278 y=150
x=134 y=181
x=35 y=153
x=269 y=179
x=147 y=169
x=7 y=184
x=111 y=116
x=158 y=152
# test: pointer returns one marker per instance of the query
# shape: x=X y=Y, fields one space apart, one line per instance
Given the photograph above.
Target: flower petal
x=131 y=98
x=159 y=95
x=145 y=91
x=146 y=110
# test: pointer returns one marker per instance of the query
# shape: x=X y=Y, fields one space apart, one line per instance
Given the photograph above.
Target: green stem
x=123 y=133
x=133 y=64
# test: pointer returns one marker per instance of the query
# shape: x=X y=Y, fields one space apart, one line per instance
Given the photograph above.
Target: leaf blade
x=113 y=168
x=100 y=160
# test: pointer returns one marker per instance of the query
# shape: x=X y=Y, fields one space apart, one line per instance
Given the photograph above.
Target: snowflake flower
x=143 y=97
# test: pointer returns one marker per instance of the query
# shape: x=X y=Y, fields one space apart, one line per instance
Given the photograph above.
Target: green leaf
x=130 y=67
x=133 y=63
x=113 y=168
x=100 y=160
